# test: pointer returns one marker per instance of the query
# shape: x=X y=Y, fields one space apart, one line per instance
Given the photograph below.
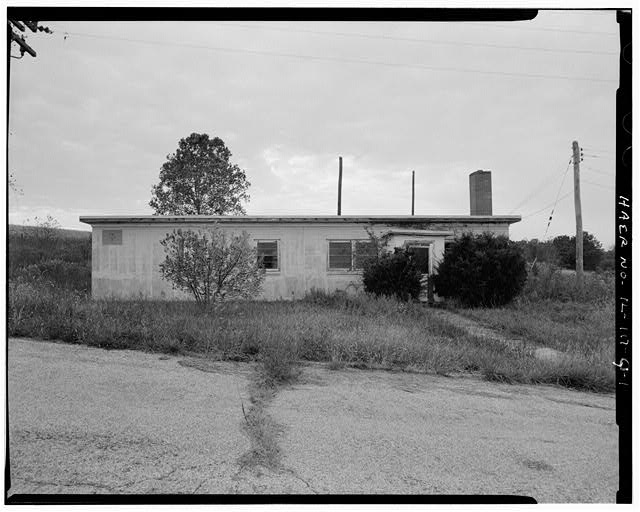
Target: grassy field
x=362 y=331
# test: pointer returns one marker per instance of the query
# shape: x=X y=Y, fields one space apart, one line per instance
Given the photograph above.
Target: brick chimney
x=480 y=193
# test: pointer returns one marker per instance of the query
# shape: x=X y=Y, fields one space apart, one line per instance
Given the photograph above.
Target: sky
x=93 y=117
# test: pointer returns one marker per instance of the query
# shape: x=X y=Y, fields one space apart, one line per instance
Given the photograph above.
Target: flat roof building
x=300 y=253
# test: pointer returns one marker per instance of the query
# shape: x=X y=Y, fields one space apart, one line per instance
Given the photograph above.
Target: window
x=340 y=255
x=268 y=254
x=349 y=254
x=363 y=251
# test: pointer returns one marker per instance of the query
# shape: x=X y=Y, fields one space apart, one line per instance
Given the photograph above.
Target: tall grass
x=548 y=282
x=552 y=312
x=49 y=298
x=361 y=331
x=34 y=247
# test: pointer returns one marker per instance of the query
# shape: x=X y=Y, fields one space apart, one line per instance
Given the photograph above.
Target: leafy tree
x=199 y=179
x=212 y=265
x=608 y=261
x=392 y=274
x=592 y=251
x=481 y=270
x=540 y=252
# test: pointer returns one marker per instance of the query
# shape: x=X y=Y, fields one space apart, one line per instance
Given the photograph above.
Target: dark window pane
x=340 y=255
x=364 y=251
x=268 y=254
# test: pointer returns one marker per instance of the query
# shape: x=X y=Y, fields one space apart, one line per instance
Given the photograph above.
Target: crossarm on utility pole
x=23 y=44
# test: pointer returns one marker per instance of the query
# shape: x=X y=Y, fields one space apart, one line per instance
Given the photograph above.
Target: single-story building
x=300 y=253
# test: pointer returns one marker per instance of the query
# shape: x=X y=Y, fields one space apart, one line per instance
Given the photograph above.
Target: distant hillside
x=63 y=233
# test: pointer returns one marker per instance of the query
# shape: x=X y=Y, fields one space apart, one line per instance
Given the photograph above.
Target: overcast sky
x=94 y=116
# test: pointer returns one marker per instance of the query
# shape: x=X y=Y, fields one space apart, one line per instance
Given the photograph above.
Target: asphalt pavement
x=355 y=431
x=87 y=420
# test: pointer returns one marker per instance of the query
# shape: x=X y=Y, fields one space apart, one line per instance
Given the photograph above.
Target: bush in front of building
x=393 y=275
x=481 y=270
x=212 y=265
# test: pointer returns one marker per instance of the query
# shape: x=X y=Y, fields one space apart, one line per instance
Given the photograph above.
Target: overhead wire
x=561 y=198
x=597 y=171
x=413 y=39
x=517 y=26
x=346 y=60
x=589 y=155
x=598 y=150
x=535 y=191
x=598 y=184
x=557 y=198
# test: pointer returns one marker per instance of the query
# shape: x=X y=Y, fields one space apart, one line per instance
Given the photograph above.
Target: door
x=421 y=259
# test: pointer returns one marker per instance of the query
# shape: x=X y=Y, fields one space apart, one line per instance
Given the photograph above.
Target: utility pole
x=340 y=187
x=578 y=206
x=413 y=192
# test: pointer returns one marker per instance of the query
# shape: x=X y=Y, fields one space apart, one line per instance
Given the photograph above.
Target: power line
x=415 y=40
x=338 y=59
x=597 y=171
x=599 y=156
x=551 y=204
x=556 y=203
x=540 y=187
x=598 y=184
x=546 y=29
x=598 y=150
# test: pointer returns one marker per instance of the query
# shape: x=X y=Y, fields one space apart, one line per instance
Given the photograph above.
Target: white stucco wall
x=131 y=270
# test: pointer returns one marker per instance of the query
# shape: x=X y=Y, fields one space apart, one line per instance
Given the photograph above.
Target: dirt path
x=476 y=329
x=86 y=420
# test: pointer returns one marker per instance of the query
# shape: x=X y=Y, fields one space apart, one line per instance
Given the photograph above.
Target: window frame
x=352 y=268
x=278 y=260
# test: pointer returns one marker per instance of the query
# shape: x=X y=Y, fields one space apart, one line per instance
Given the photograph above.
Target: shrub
x=481 y=270
x=393 y=275
x=212 y=265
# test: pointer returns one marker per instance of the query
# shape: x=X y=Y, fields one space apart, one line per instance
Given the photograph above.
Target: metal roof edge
x=418 y=232
x=251 y=219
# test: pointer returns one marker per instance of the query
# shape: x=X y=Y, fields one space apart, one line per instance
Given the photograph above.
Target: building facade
x=300 y=253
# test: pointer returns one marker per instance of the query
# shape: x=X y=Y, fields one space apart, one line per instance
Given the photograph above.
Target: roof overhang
x=300 y=219
x=418 y=232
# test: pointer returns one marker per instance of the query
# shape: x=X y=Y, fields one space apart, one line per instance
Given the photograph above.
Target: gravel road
x=86 y=420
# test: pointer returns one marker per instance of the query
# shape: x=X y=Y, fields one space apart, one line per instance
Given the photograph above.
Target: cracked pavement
x=355 y=431
x=84 y=420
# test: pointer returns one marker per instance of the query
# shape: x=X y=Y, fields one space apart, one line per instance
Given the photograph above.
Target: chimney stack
x=480 y=193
